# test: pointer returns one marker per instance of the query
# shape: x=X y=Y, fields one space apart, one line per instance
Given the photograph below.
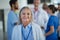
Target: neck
x=36 y=8
x=25 y=24
x=13 y=9
x=52 y=14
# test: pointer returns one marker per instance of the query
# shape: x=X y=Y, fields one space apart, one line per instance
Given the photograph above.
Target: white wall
x=22 y=3
x=4 y=4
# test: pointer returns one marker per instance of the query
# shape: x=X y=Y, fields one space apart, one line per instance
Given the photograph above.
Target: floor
x=3 y=35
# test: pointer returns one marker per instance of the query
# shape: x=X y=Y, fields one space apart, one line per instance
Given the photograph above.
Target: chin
x=16 y=8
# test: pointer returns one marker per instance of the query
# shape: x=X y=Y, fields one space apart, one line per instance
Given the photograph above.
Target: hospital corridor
x=43 y=14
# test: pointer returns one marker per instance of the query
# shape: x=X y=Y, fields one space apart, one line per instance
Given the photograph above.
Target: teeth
x=24 y=19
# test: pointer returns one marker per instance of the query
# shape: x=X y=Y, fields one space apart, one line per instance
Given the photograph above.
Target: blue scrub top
x=53 y=21
x=12 y=18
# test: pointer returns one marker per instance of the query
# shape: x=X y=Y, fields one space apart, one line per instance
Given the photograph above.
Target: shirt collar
x=28 y=26
x=12 y=11
x=37 y=10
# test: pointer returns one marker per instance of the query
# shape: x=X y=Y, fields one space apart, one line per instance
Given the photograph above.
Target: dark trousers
x=58 y=38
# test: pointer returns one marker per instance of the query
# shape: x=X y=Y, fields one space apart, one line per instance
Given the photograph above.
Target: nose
x=25 y=16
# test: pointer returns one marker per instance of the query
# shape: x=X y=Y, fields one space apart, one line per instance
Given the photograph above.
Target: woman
x=27 y=30
x=52 y=24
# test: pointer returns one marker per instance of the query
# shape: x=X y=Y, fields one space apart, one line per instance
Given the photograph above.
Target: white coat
x=42 y=18
x=37 y=32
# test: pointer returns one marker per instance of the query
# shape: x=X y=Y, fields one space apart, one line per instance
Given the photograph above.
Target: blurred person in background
x=58 y=15
x=27 y=29
x=52 y=26
x=12 y=17
x=39 y=15
x=45 y=7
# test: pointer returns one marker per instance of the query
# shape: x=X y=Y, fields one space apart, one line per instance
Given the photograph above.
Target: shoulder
x=17 y=27
x=42 y=12
x=53 y=17
x=10 y=13
x=56 y=13
x=36 y=26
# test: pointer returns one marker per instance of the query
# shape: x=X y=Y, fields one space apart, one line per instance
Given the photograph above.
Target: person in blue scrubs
x=12 y=18
x=27 y=30
x=58 y=15
x=52 y=26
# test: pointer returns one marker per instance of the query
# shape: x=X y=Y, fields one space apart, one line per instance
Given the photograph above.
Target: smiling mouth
x=25 y=19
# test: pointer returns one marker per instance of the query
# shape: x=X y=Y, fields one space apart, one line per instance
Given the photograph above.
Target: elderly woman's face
x=26 y=16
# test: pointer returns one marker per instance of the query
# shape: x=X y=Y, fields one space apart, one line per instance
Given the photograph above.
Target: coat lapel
x=20 y=34
x=34 y=31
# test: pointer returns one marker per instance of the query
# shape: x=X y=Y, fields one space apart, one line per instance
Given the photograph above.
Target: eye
x=28 y=13
x=23 y=13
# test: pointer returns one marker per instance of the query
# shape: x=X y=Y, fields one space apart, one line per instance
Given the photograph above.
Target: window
x=42 y=1
x=30 y=1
